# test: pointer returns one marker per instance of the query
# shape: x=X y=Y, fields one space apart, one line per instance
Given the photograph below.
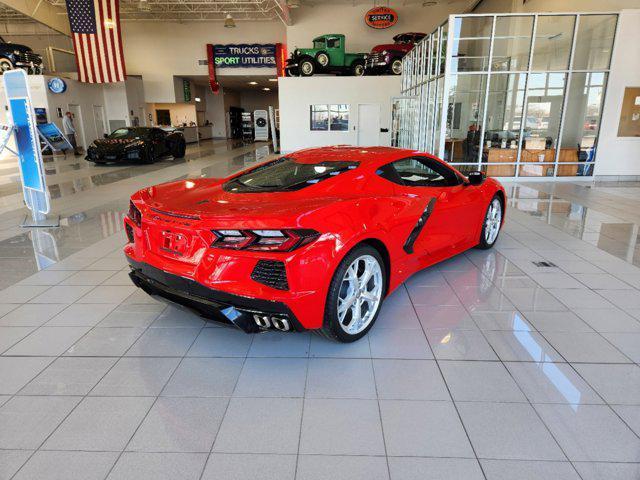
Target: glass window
x=504 y=117
x=319 y=43
x=438 y=116
x=594 y=42
x=443 y=47
x=286 y=174
x=512 y=43
x=542 y=117
x=319 y=117
x=435 y=41
x=466 y=94
x=554 y=34
x=471 y=42
x=582 y=120
x=339 y=118
x=333 y=43
x=423 y=172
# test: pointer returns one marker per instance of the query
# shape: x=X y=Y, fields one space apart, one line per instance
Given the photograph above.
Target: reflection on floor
x=488 y=364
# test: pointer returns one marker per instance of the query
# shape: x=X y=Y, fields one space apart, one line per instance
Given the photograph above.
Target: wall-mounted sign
x=186 y=88
x=381 y=17
x=245 y=56
x=57 y=85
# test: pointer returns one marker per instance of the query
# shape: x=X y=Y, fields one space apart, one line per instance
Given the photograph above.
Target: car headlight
x=17 y=52
x=384 y=52
x=264 y=240
x=93 y=145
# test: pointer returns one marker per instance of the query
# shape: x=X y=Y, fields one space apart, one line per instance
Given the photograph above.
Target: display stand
x=247 y=127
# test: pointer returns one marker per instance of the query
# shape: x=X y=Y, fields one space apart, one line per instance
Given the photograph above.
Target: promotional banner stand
x=23 y=125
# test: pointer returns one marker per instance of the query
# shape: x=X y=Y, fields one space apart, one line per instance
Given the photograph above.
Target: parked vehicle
x=387 y=58
x=14 y=55
x=326 y=56
x=314 y=240
x=143 y=144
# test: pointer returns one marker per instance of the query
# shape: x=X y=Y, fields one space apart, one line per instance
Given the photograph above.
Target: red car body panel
x=353 y=207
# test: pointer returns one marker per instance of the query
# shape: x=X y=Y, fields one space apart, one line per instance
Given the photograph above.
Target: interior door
x=76 y=111
x=368 y=124
x=99 y=120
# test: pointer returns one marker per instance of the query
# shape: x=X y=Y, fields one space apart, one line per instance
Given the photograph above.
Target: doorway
x=100 y=120
x=368 y=124
x=76 y=111
x=163 y=117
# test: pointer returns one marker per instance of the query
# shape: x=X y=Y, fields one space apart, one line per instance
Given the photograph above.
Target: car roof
x=328 y=35
x=341 y=153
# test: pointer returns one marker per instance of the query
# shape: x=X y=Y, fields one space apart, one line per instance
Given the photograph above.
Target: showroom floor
x=486 y=366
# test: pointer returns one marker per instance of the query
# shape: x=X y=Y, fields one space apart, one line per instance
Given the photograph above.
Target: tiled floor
x=483 y=367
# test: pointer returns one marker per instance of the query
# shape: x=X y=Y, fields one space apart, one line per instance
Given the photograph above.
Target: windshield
x=286 y=174
x=318 y=43
x=125 y=133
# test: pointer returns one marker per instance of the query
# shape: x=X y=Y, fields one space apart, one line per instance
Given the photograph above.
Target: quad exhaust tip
x=265 y=321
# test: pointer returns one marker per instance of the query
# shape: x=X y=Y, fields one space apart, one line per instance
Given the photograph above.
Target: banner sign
x=381 y=17
x=213 y=83
x=21 y=114
x=245 y=56
x=53 y=137
x=186 y=88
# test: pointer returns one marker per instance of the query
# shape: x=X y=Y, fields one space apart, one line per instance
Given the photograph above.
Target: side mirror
x=106 y=135
x=475 y=178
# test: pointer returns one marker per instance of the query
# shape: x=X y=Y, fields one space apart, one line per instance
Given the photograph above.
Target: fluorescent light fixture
x=253 y=83
x=266 y=89
x=273 y=79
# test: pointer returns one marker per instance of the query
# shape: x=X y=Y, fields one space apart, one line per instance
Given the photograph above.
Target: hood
x=18 y=46
x=392 y=47
x=206 y=199
x=114 y=143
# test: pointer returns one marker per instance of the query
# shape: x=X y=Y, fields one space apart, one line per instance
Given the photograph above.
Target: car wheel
x=357 y=68
x=5 y=65
x=396 y=67
x=149 y=156
x=491 y=224
x=322 y=59
x=307 y=67
x=355 y=295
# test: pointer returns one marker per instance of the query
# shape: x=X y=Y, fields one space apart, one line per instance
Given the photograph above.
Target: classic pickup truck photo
x=327 y=56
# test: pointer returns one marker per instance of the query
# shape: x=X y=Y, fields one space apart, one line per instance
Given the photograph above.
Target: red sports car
x=312 y=240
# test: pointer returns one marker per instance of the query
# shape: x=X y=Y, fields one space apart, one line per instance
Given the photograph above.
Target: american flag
x=95 y=25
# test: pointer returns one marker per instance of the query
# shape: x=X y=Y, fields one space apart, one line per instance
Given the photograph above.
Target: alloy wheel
x=360 y=294
x=493 y=221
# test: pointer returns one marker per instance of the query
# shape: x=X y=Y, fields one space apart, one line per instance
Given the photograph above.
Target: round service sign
x=57 y=85
x=381 y=17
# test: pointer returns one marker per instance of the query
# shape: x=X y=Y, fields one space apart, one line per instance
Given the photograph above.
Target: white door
x=100 y=120
x=368 y=124
x=76 y=110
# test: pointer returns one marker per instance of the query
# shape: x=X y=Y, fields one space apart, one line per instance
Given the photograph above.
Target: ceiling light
x=293 y=3
x=266 y=89
x=197 y=99
x=109 y=23
x=273 y=79
x=229 y=22
x=253 y=83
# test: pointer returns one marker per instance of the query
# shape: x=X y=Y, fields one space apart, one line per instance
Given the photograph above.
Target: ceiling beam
x=50 y=15
x=283 y=12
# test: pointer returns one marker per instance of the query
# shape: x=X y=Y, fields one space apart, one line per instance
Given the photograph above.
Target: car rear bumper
x=213 y=304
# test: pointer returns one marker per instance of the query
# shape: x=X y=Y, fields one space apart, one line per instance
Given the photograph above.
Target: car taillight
x=264 y=240
x=134 y=214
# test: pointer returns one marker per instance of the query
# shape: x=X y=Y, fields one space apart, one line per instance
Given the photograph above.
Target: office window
x=329 y=117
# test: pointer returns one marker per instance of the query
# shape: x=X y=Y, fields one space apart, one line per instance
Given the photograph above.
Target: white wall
x=298 y=94
x=258 y=100
x=160 y=51
x=620 y=156
x=215 y=112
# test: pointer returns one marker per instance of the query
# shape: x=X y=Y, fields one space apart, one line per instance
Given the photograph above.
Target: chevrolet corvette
x=142 y=144
x=314 y=240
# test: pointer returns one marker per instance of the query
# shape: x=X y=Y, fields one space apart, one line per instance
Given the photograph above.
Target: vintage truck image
x=326 y=56
x=387 y=58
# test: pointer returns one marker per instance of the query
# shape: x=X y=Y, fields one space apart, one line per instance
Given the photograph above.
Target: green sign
x=186 y=87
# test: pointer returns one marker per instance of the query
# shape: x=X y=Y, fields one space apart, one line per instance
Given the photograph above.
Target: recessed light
x=253 y=83
x=273 y=79
x=266 y=89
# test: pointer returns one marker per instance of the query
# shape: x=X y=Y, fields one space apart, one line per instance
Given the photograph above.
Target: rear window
x=286 y=174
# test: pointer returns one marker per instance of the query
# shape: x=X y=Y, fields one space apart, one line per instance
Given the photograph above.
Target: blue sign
x=57 y=85
x=22 y=116
x=245 y=56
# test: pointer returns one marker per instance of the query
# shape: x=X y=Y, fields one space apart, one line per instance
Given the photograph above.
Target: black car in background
x=14 y=55
x=143 y=144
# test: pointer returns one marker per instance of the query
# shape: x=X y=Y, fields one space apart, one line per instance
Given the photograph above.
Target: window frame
x=389 y=172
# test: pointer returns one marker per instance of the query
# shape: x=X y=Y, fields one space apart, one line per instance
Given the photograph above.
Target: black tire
x=357 y=68
x=180 y=149
x=331 y=327
x=323 y=59
x=149 y=156
x=396 y=67
x=307 y=67
x=483 y=244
